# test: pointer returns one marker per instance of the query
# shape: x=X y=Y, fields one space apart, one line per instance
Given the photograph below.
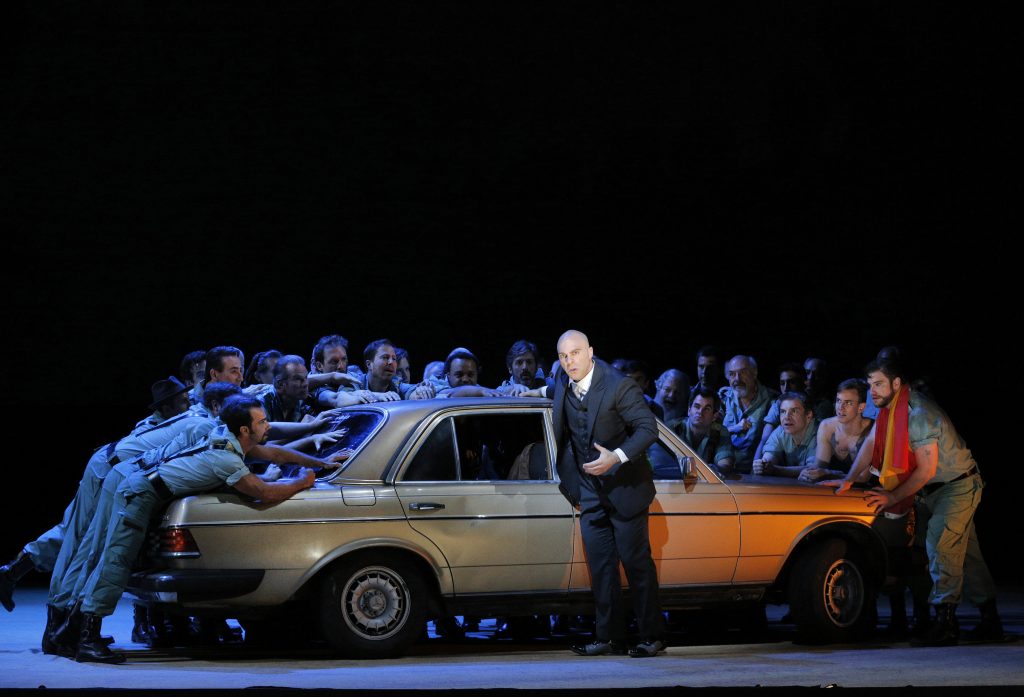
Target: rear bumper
x=194 y=585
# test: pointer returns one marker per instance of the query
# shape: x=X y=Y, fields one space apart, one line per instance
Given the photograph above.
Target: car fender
x=851 y=528
x=430 y=557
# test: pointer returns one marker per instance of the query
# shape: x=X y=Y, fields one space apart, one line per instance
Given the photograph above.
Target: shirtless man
x=840 y=438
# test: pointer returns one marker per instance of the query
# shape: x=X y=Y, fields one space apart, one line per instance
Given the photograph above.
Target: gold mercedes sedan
x=451 y=507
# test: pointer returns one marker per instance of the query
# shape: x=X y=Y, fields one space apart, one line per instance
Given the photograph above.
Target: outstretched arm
x=274 y=492
x=282 y=456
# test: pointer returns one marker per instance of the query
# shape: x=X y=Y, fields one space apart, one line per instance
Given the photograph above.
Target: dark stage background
x=778 y=179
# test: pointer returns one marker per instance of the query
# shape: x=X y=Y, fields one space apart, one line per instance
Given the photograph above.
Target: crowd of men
x=218 y=416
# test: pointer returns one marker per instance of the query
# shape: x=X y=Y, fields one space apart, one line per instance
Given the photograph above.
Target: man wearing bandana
x=915 y=449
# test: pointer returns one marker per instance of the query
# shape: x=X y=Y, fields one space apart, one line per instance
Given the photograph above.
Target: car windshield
x=348 y=431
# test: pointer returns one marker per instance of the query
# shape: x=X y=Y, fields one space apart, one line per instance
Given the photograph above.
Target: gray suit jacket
x=617 y=417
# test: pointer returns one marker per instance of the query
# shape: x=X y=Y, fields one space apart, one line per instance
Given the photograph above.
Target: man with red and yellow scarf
x=915 y=449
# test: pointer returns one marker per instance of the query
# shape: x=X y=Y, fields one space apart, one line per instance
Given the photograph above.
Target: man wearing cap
x=140 y=449
x=43 y=553
x=217 y=461
x=64 y=594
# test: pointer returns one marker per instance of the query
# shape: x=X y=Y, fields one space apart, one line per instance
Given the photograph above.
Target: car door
x=694 y=521
x=479 y=485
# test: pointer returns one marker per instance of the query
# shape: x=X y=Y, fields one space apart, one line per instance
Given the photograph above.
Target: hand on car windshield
x=322 y=440
x=332 y=461
x=326 y=416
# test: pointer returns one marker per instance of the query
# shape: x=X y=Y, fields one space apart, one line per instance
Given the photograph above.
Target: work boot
x=922 y=621
x=898 y=627
x=55 y=617
x=990 y=628
x=945 y=629
x=10 y=574
x=142 y=631
x=65 y=637
x=91 y=647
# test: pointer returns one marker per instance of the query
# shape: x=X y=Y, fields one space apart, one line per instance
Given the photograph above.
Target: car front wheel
x=373 y=606
x=831 y=594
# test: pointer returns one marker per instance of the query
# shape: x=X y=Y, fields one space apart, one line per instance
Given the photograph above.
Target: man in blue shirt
x=792 y=446
x=44 y=553
x=746 y=402
x=221 y=460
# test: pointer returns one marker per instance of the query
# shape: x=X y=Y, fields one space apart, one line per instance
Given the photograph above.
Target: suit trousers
x=608 y=538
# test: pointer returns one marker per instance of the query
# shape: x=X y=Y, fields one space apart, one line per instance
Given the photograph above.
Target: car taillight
x=178 y=542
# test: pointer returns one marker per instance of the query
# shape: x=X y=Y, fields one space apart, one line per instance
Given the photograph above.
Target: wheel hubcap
x=843 y=593
x=375 y=603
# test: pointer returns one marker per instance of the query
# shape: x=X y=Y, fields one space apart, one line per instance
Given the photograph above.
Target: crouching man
x=220 y=460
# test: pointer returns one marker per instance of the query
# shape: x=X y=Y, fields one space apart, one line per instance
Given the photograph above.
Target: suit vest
x=576 y=422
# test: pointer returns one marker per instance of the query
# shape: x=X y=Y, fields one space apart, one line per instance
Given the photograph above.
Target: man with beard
x=331 y=374
x=672 y=394
x=746 y=402
x=792 y=446
x=218 y=461
x=916 y=450
x=381 y=375
x=521 y=361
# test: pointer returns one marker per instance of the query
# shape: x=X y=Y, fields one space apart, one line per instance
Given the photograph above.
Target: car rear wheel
x=831 y=594
x=373 y=606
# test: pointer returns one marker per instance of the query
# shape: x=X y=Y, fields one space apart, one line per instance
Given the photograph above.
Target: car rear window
x=358 y=426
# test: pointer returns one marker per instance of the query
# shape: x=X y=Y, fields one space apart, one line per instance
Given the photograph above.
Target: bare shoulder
x=828 y=426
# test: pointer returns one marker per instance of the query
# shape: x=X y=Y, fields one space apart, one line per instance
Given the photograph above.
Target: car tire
x=832 y=597
x=373 y=606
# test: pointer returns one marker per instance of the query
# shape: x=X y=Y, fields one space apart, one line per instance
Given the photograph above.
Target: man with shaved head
x=603 y=428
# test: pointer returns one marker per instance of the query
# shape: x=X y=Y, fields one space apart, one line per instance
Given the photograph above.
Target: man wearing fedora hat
x=170 y=399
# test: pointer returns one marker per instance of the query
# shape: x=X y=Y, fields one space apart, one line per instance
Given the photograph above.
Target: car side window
x=502 y=447
x=435 y=460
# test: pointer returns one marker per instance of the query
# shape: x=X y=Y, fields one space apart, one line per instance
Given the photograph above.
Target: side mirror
x=685 y=465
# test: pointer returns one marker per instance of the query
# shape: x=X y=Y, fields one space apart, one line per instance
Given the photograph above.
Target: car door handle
x=425 y=506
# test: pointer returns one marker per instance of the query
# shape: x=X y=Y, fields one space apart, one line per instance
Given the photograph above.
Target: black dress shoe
x=646 y=649
x=600 y=648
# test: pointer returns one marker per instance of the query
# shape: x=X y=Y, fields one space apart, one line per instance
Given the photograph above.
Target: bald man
x=603 y=428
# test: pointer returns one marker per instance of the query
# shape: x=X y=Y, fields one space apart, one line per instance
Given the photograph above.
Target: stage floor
x=480 y=661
